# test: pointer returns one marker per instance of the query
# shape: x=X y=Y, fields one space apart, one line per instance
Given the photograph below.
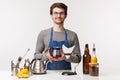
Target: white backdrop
x=95 y=21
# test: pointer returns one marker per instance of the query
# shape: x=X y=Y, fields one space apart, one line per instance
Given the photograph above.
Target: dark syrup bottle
x=86 y=60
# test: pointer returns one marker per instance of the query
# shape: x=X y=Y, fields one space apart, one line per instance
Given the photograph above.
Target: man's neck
x=58 y=28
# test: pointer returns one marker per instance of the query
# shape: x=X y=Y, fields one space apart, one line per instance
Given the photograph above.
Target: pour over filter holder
x=69 y=73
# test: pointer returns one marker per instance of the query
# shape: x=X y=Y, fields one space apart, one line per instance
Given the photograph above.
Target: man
x=57 y=36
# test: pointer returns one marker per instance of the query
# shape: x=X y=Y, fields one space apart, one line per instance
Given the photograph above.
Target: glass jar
x=94 y=69
x=55 y=52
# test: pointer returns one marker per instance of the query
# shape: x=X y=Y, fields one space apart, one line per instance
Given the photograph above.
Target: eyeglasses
x=60 y=13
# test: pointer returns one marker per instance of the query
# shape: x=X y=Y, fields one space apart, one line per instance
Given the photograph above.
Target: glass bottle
x=86 y=60
x=94 y=58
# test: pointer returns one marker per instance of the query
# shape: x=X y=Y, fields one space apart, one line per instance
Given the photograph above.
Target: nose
x=59 y=15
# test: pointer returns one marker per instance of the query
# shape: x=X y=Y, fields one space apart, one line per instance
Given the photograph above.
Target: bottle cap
x=86 y=45
x=93 y=47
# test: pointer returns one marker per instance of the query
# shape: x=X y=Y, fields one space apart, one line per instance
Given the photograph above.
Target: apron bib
x=62 y=64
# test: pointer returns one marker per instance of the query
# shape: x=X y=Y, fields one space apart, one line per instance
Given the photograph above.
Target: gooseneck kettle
x=38 y=66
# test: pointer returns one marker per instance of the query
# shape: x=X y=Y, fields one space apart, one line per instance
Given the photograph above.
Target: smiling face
x=58 y=15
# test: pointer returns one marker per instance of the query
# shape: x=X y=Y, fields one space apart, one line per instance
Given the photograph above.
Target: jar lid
x=93 y=63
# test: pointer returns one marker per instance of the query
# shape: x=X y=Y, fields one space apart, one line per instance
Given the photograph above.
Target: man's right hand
x=49 y=56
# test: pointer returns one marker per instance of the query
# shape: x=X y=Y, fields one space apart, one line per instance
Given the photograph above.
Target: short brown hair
x=59 y=5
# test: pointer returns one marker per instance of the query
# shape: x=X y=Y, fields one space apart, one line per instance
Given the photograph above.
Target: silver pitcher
x=27 y=65
x=38 y=66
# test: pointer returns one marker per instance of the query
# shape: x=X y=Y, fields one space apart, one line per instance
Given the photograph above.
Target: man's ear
x=51 y=16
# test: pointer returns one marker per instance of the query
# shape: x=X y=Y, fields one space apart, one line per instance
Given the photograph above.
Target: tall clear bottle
x=94 y=57
x=86 y=59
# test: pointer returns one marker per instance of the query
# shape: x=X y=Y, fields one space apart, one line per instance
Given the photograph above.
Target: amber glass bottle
x=86 y=60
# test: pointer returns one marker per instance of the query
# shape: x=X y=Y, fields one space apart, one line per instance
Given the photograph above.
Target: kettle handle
x=32 y=61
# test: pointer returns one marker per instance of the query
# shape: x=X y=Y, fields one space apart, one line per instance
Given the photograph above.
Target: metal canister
x=14 y=69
